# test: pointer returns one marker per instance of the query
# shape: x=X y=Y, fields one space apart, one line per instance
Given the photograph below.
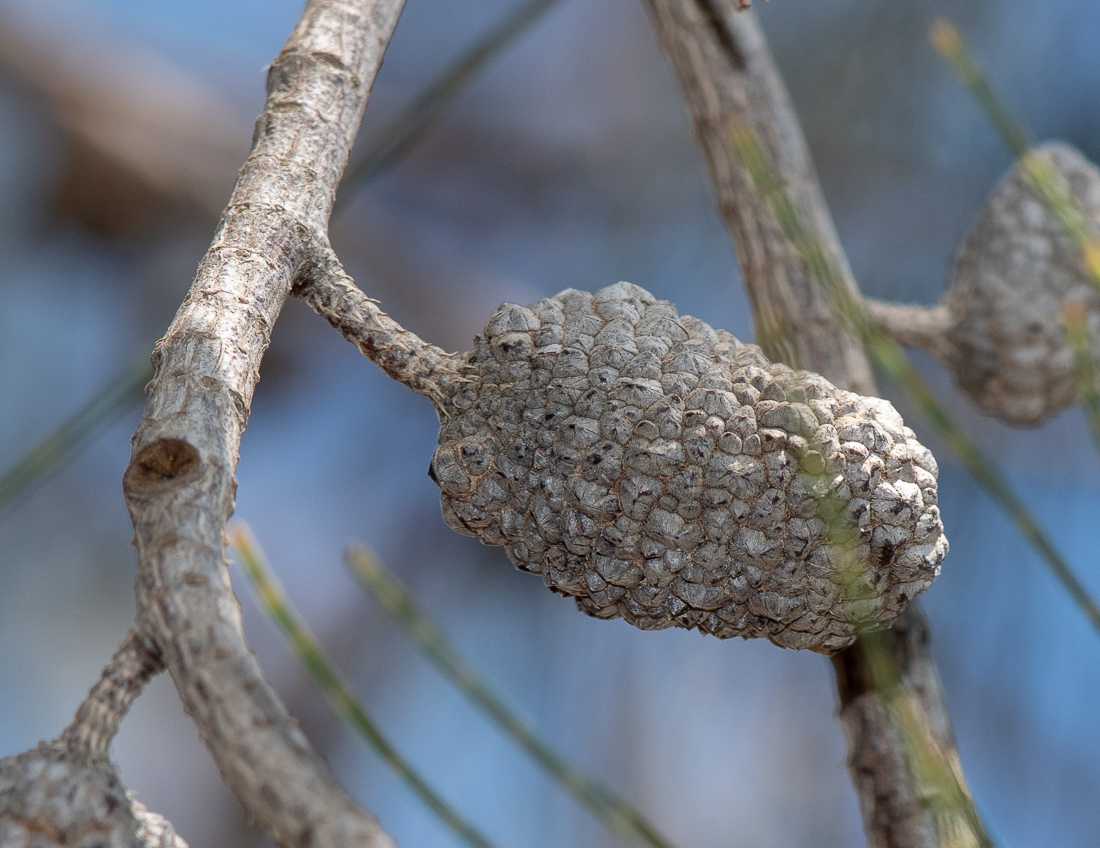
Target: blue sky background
x=570 y=163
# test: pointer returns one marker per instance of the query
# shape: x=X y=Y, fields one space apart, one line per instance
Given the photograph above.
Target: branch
x=134 y=118
x=900 y=810
x=134 y=664
x=67 y=792
x=728 y=78
x=730 y=81
x=54 y=796
x=923 y=327
x=180 y=485
x=423 y=367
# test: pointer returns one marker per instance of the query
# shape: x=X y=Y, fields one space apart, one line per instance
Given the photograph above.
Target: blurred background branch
x=145 y=136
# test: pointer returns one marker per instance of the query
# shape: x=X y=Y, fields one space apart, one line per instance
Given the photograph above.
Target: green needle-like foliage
x=273 y=599
x=945 y=38
x=394 y=141
x=48 y=456
x=888 y=356
x=379 y=153
x=1074 y=317
x=619 y=817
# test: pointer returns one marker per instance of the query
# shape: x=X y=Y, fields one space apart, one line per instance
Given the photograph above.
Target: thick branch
x=180 y=485
x=729 y=80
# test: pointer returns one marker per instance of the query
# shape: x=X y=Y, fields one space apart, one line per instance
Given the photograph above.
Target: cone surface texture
x=663 y=472
x=1007 y=346
x=51 y=797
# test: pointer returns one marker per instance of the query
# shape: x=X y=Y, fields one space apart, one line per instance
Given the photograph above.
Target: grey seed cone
x=1006 y=343
x=52 y=797
x=663 y=472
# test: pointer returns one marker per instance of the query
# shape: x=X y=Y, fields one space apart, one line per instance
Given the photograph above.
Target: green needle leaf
x=49 y=455
x=1075 y=320
x=273 y=599
x=1045 y=180
x=394 y=141
x=949 y=44
x=619 y=817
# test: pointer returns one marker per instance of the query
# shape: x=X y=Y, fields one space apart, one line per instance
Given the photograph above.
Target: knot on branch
x=161 y=465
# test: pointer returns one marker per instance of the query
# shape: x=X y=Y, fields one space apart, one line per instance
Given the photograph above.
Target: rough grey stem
x=729 y=80
x=908 y=812
x=134 y=664
x=923 y=327
x=423 y=367
x=180 y=483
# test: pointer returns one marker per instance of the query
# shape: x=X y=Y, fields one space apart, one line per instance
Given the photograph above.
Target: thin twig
x=923 y=327
x=136 y=661
x=270 y=593
x=180 y=484
x=729 y=79
x=616 y=814
x=403 y=355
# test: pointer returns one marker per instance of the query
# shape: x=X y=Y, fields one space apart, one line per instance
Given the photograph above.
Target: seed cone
x=1014 y=270
x=50 y=796
x=999 y=329
x=663 y=472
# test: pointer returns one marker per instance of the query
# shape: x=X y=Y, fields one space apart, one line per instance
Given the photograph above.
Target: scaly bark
x=180 y=483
